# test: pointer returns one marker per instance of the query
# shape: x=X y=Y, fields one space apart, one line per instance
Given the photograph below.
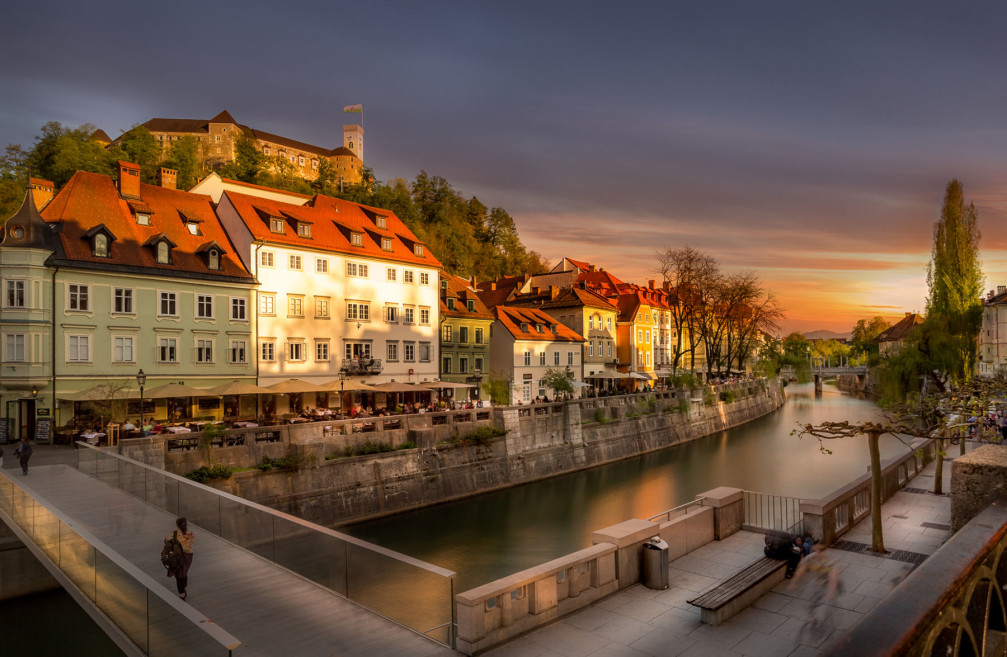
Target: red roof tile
x=461 y=290
x=512 y=318
x=900 y=329
x=89 y=200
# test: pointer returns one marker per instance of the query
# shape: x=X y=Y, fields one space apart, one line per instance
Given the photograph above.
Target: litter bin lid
x=657 y=544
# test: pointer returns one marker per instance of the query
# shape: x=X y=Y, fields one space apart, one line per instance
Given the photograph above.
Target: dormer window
x=451 y=303
x=357 y=239
x=381 y=222
x=471 y=305
x=524 y=327
x=303 y=229
x=386 y=244
x=538 y=327
x=162 y=247
x=211 y=253
x=444 y=284
x=101 y=245
x=142 y=219
x=553 y=327
x=213 y=259
x=418 y=250
x=101 y=239
x=276 y=225
x=163 y=253
x=192 y=227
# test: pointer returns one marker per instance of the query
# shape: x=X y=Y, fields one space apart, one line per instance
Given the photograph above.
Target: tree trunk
x=938 y=466
x=877 y=535
x=961 y=443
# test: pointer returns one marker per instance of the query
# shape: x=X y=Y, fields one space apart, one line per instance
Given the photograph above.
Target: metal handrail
x=667 y=514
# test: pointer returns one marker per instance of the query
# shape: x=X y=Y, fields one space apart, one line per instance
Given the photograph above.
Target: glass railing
x=146 y=612
x=413 y=593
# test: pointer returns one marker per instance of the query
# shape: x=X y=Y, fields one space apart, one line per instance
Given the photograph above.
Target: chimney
x=590 y=268
x=41 y=191
x=493 y=286
x=168 y=177
x=1000 y=288
x=129 y=180
x=583 y=285
x=908 y=313
x=650 y=283
x=553 y=291
x=535 y=290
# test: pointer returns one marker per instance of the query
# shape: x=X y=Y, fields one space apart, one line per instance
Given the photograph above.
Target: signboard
x=44 y=412
x=43 y=431
x=4 y=429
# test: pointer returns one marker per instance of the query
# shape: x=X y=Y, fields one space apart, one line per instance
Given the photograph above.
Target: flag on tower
x=354 y=109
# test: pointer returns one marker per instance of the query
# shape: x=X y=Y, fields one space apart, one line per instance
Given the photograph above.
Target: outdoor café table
x=92 y=437
x=245 y=425
x=179 y=429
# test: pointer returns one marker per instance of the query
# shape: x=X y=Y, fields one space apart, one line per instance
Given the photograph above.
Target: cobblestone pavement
x=640 y=622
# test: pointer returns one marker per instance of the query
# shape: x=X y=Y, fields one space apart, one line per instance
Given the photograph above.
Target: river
x=489 y=536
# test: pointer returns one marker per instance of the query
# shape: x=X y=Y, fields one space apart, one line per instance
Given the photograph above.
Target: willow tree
x=955 y=280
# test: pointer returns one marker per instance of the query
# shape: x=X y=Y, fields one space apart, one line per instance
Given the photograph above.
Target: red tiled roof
x=461 y=290
x=333 y=220
x=511 y=318
x=900 y=329
x=568 y=297
x=498 y=292
x=268 y=189
x=223 y=117
x=290 y=143
x=89 y=200
x=601 y=280
x=43 y=182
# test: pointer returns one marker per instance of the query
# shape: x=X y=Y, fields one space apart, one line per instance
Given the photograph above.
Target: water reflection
x=496 y=534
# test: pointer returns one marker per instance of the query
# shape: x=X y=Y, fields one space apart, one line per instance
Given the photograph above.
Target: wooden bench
x=731 y=596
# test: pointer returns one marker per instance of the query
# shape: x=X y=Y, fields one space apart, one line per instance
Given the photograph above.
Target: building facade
x=465 y=334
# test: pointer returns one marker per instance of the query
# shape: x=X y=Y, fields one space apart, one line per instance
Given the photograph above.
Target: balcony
x=354 y=366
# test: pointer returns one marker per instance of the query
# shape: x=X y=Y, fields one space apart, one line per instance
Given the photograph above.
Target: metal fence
x=773 y=513
x=680 y=510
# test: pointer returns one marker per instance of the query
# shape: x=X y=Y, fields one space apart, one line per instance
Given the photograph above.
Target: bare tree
x=686 y=272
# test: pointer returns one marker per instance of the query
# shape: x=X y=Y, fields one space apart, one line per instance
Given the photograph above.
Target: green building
x=465 y=334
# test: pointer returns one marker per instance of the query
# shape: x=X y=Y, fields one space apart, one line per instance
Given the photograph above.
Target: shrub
x=683 y=407
x=599 y=416
x=483 y=435
x=727 y=396
x=206 y=473
x=289 y=461
x=708 y=397
x=372 y=448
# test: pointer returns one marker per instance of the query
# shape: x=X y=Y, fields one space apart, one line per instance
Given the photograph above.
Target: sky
x=808 y=142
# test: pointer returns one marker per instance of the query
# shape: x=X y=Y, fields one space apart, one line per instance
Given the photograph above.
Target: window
x=236 y=354
x=590 y=351
x=15 y=294
x=267 y=304
x=295 y=351
x=360 y=312
x=479 y=365
x=294 y=263
x=424 y=352
x=418 y=250
x=471 y=305
x=163 y=253
x=392 y=314
x=167 y=350
x=358 y=350
x=407 y=275
x=300 y=160
x=648 y=358
x=527 y=358
x=303 y=229
x=321 y=265
x=446 y=333
x=276 y=225
x=463 y=334
x=204 y=351
x=267 y=350
x=213 y=259
x=479 y=336
x=386 y=244
x=610 y=348
x=425 y=316
x=266 y=258
x=321 y=350
x=608 y=323
x=204 y=306
x=381 y=222
x=142 y=218
x=216 y=137
x=78 y=348
x=391 y=274
x=79 y=298
x=424 y=278
x=639 y=336
x=648 y=337
x=446 y=366
x=169 y=304
x=122 y=349
x=314 y=164
x=555 y=358
x=524 y=327
x=238 y=309
x=392 y=351
x=463 y=365
x=569 y=358
x=357 y=239
x=14 y=351
x=451 y=303
x=295 y=306
x=590 y=322
x=409 y=351
x=321 y=308
x=356 y=269
x=101 y=246
x=538 y=328
x=408 y=315
x=192 y=227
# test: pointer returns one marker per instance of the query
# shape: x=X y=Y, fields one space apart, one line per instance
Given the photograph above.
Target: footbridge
x=262 y=582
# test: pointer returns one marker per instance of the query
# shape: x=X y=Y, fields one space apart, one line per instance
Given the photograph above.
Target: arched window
x=214 y=260
x=101 y=245
x=163 y=254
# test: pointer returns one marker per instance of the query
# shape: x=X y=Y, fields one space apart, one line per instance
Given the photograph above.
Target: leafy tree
x=497 y=388
x=183 y=156
x=138 y=146
x=863 y=335
x=559 y=381
x=59 y=152
x=248 y=162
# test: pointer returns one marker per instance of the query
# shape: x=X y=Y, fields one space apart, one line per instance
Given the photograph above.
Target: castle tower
x=353 y=139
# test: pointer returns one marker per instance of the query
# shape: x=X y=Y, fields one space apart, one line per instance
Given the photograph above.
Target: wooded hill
x=468 y=237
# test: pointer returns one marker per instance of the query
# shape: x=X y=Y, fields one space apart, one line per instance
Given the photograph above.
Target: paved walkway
x=269 y=609
x=640 y=622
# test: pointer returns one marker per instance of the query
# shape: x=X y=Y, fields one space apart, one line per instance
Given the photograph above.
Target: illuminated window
x=424 y=278
x=294 y=263
x=407 y=276
x=358 y=311
x=267 y=304
x=357 y=239
x=321 y=308
x=418 y=250
x=321 y=265
x=479 y=336
x=266 y=258
x=386 y=244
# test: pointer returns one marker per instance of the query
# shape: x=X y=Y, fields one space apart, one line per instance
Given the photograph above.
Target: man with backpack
x=23 y=453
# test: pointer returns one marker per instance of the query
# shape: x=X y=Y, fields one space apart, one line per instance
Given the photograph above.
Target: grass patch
x=370 y=447
x=206 y=473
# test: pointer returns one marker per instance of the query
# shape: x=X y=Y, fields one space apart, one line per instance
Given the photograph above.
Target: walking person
x=824 y=573
x=23 y=453
x=185 y=537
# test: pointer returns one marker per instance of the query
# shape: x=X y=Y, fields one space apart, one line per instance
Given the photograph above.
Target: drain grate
x=921 y=491
x=900 y=517
x=936 y=525
x=906 y=556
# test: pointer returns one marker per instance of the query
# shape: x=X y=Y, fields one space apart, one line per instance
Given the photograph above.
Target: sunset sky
x=808 y=142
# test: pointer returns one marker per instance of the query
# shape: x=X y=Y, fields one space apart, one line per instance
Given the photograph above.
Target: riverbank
x=540 y=442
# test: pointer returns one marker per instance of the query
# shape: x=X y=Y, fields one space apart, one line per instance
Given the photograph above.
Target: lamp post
x=141 y=379
x=342 y=383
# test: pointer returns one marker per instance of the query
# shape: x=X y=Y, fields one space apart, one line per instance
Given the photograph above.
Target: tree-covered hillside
x=470 y=238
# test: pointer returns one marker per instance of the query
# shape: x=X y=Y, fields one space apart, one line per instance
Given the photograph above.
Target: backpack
x=23 y=450
x=171 y=554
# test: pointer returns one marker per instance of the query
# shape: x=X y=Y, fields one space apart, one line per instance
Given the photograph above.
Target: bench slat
x=735 y=586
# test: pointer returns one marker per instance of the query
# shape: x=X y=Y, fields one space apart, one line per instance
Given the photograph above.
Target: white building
x=525 y=343
x=993 y=335
x=342 y=287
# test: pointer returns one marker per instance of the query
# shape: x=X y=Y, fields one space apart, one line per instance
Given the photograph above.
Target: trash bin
x=655 y=564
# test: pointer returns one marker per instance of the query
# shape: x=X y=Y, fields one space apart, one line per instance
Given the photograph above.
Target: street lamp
x=34 y=392
x=141 y=379
x=342 y=382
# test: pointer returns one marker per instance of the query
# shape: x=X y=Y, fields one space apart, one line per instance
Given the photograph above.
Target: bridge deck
x=269 y=609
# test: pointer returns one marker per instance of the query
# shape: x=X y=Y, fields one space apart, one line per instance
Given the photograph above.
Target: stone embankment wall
x=860 y=385
x=448 y=463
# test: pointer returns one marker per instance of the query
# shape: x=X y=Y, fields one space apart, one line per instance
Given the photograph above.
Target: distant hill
x=826 y=335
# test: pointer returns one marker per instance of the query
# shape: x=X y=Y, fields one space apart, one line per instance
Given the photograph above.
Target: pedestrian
x=1 y=457
x=23 y=453
x=185 y=537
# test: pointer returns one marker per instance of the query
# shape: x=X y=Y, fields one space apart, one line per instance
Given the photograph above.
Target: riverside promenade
x=641 y=622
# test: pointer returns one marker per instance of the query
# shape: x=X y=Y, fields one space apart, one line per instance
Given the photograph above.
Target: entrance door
x=26 y=418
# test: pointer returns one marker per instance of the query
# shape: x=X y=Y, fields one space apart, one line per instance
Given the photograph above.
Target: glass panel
x=162 y=491
x=247 y=526
x=6 y=495
x=310 y=553
x=200 y=507
x=76 y=559
x=47 y=530
x=172 y=634
x=131 y=478
x=122 y=598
